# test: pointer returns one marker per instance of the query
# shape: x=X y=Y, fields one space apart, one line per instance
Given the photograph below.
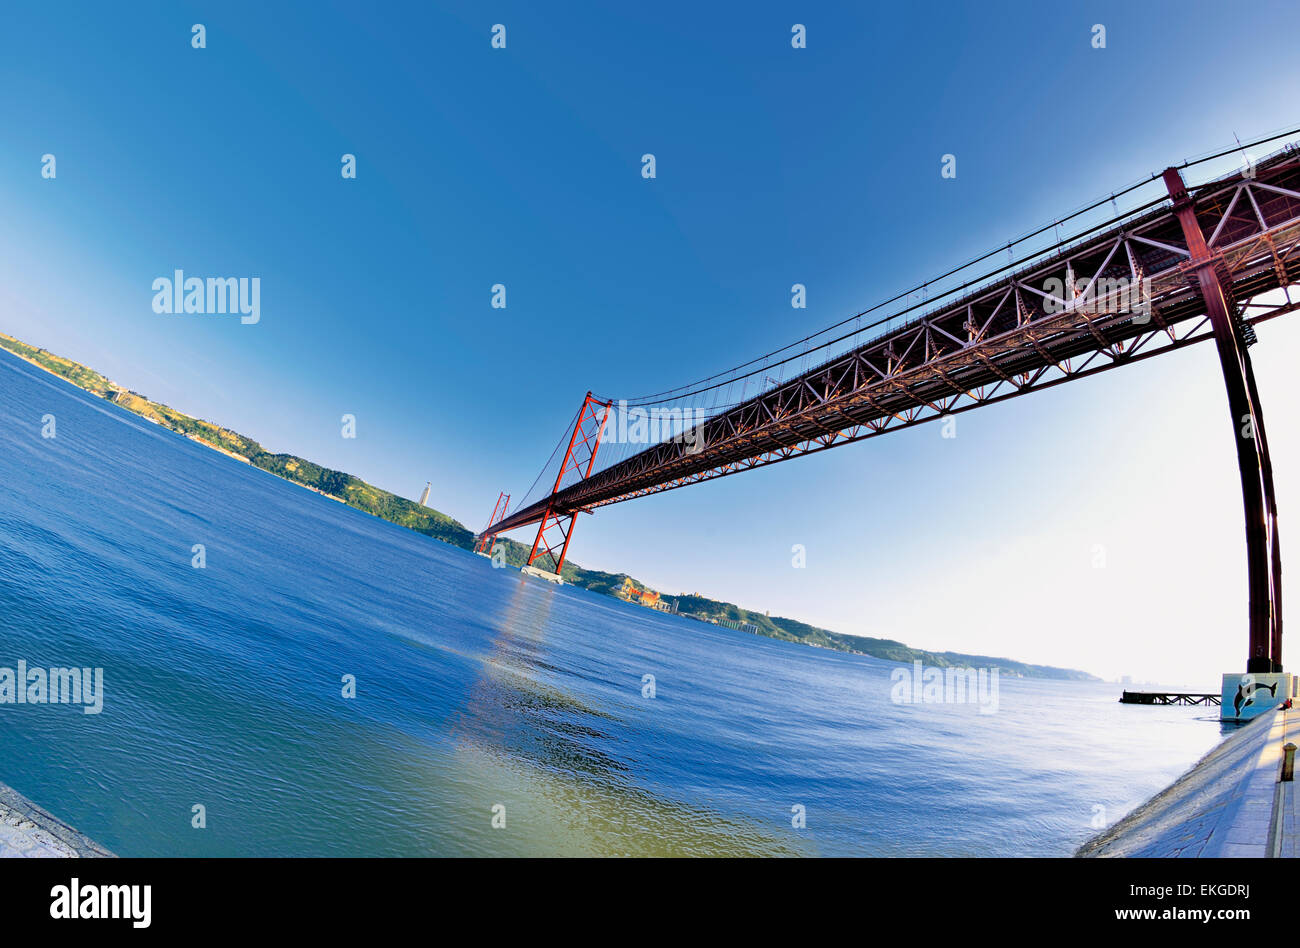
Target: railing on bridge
x=1199 y=265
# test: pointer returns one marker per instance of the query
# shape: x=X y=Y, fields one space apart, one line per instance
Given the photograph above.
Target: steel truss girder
x=1199 y=332
x=1017 y=343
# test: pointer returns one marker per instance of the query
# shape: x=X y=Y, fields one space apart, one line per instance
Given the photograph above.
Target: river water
x=493 y=714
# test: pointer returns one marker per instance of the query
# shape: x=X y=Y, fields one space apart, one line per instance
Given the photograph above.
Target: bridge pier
x=562 y=520
x=484 y=544
x=1264 y=561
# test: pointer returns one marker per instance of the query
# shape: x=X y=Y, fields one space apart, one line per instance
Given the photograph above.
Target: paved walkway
x=28 y=831
x=1230 y=804
x=1285 y=824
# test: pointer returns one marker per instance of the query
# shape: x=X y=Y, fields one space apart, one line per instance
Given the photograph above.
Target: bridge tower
x=556 y=527
x=1204 y=270
x=484 y=544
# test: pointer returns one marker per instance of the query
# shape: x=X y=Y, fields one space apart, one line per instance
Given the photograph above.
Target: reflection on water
x=544 y=749
x=475 y=688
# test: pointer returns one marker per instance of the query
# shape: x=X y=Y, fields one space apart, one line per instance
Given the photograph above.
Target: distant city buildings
x=424 y=498
x=645 y=597
x=737 y=624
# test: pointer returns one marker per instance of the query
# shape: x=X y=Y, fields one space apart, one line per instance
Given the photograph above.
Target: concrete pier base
x=542 y=574
x=1246 y=696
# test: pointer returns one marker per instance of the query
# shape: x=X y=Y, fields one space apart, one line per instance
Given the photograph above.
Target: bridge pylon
x=556 y=527
x=1264 y=559
x=484 y=543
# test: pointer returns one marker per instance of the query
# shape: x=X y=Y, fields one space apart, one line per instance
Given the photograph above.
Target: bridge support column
x=586 y=437
x=1264 y=561
x=484 y=544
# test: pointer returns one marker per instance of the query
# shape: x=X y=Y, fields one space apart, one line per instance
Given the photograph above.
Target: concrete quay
x=1232 y=803
x=27 y=831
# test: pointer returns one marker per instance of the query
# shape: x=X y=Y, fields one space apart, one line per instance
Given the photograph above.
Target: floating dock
x=1169 y=697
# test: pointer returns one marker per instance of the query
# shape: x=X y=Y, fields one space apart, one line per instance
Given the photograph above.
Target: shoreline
x=32 y=832
x=1230 y=803
x=391 y=508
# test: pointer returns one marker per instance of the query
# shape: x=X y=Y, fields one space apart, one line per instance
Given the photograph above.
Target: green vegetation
x=74 y=372
x=350 y=490
x=792 y=630
x=380 y=503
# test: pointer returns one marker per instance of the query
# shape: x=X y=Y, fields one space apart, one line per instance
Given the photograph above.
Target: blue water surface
x=482 y=696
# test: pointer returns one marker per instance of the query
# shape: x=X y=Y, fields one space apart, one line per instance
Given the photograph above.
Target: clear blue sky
x=521 y=166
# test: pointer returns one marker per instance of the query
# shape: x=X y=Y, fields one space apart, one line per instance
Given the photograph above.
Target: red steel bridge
x=1193 y=264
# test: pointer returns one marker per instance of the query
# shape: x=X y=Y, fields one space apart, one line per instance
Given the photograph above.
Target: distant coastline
x=350 y=490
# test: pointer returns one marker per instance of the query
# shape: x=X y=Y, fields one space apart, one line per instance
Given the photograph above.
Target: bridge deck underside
x=1111 y=299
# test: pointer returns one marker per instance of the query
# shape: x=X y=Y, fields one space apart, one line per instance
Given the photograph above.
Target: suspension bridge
x=1192 y=264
